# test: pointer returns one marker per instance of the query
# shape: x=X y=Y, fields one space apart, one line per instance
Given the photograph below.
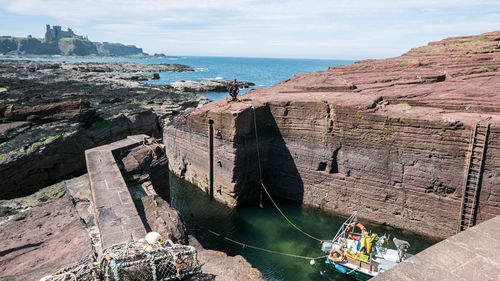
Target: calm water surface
x=266 y=228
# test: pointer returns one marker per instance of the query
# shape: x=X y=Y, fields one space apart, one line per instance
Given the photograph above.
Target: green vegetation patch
x=487 y=69
x=68 y=39
x=473 y=40
x=6 y=211
x=37 y=144
x=403 y=64
x=67 y=134
x=101 y=124
x=140 y=104
x=405 y=105
x=18 y=151
x=358 y=64
x=44 y=195
x=48 y=138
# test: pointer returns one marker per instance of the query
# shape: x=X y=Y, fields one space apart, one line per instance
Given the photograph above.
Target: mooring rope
x=258 y=154
x=267 y=192
x=265 y=250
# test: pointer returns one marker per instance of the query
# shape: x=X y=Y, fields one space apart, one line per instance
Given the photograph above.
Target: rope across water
x=265 y=250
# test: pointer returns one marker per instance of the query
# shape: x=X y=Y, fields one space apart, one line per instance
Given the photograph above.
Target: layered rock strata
x=387 y=138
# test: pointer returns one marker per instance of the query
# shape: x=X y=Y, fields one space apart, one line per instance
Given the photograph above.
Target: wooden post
x=211 y=156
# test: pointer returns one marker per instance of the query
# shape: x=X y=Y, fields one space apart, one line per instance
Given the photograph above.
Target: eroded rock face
x=387 y=138
x=61 y=155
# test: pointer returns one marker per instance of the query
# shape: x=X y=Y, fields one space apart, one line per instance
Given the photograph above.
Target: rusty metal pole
x=211 y=156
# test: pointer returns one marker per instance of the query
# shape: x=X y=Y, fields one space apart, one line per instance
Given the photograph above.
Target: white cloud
x=343 y=28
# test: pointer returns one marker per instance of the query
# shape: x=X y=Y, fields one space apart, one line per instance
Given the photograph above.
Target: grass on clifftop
x=69 y=39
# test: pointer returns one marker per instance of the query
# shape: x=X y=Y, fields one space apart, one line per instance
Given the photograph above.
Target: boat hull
x=348 y=271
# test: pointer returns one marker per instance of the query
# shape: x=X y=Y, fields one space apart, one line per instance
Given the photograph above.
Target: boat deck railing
x=342 y=231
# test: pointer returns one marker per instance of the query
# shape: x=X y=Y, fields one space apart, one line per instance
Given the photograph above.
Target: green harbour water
x=266 y=228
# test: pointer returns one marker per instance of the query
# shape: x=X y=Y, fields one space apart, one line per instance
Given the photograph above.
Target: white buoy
x=312 y=262
x=153 y=238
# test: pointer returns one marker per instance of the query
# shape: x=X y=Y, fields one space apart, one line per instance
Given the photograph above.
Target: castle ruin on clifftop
x=56 y=33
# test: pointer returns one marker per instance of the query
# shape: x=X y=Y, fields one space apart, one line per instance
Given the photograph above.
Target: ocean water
x=266 y=228
x=264 y=72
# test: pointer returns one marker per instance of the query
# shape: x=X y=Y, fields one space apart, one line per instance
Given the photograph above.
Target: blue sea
x=264 y=72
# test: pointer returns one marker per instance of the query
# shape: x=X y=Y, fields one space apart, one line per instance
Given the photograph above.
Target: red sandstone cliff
x=388 y=138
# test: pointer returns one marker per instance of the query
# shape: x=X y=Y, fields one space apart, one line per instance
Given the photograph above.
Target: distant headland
x=65 y=43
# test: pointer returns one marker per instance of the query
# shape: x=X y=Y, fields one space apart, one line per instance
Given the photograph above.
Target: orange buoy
x=337 y=255
x=351 y=227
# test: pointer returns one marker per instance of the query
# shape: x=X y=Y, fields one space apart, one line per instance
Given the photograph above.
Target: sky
x=324 y=29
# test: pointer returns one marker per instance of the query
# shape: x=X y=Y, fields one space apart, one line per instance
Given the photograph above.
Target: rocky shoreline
x=208 y=85
x=50 y=112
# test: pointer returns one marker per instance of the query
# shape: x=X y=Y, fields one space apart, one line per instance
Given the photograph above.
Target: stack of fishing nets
x=85 y=270
x=133 y=261
x=162 y=261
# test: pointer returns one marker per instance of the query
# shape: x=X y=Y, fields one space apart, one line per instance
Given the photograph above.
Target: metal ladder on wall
x=472 y=179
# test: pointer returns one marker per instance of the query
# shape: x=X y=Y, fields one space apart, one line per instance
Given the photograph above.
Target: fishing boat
x=360 y=254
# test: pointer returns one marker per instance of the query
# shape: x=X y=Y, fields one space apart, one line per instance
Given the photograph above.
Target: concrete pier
x=473 y=254
x=115 y=212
